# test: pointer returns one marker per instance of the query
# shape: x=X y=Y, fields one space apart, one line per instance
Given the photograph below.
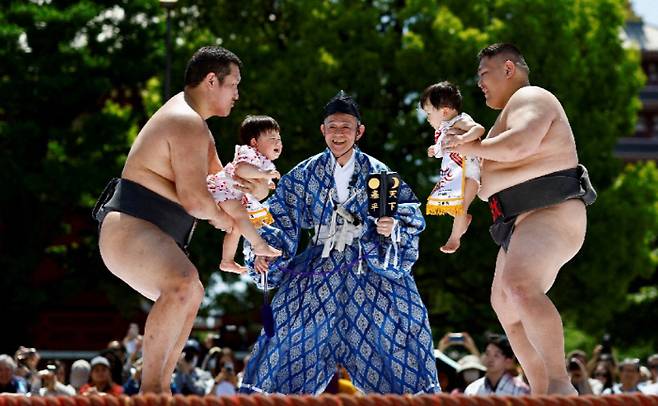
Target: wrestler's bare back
x=556 y=150
x=149 y=161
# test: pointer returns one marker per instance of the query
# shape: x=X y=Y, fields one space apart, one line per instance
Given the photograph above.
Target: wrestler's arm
x=188 y=145
x=529 y=118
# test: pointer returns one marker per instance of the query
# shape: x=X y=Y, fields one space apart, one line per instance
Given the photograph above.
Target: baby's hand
x=431 y=151
x=271 y=185
x=273 y=174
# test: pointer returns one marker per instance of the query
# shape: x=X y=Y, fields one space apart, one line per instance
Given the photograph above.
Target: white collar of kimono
x=342 y=176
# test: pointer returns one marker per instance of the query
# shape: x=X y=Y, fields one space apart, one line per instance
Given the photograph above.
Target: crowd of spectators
x=204 y=368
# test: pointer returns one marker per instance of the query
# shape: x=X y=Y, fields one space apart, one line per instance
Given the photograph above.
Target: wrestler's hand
x=385 y=226
x=262 y=264
x=453 y=138
x=431 y=151
x=454 y=145
x=256 y=187
x=456 y=133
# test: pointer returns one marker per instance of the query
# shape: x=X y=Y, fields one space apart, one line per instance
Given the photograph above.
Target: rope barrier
x=330 y=400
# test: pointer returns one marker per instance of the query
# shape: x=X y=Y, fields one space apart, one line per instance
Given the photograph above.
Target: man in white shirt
x=498 y=380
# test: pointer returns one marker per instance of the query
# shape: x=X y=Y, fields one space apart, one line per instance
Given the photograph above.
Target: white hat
x=99 y=360
x=470 y=362
x=79 y=373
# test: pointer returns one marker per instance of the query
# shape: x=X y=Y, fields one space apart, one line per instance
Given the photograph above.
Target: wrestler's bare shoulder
x=176 y=119
x=532 y=97
x=149 y=160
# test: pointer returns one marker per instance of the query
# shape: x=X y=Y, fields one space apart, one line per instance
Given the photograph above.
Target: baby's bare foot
x=232 y=266
x=459 y=227
x=450 y=246
x=265 y=250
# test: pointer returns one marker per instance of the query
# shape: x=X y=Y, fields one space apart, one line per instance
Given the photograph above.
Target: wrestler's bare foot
x=232 y=266
x=264 y=250
x=561 y=387
x=459 y=227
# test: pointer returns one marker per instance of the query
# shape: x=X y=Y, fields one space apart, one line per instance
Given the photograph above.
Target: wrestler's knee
x=187 y=288
x=520 y=291
x=503 y=308
x=497 y=299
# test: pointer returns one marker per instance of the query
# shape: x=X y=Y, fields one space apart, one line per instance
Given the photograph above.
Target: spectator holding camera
x=9 y=381
x=27 y=360
x=100 y=379
x=132 y=343
x=226 y=378
x=131 y=386
x=577 y=370
x=462 y=339
x=500 y=362
x=52 y=383
x=188 y=378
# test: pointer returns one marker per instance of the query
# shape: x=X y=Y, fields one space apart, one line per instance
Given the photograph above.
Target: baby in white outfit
x=253 y=160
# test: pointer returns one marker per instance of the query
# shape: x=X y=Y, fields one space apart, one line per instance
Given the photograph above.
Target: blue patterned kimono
x=327 y=310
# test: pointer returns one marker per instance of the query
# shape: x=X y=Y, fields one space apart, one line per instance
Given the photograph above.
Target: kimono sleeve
x=287 y=207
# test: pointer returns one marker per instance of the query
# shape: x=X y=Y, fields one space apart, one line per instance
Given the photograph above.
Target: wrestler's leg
x=542 y=242
x=235 y=209
x=175 y=354
x=229 y=248
x=462 y=221
x=148 y=260
x=532 y=364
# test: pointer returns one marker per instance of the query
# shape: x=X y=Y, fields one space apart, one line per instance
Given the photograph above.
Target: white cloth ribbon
x=395 y=240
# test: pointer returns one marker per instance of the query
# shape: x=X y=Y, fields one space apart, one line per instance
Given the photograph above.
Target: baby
x=253 y=160
x=459 y=178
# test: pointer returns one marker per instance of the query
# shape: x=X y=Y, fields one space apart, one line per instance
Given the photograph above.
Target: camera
x=456 y=337
x=228 y=367
x=573 y=365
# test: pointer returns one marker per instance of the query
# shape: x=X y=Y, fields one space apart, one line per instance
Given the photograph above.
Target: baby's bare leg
x=229 y=248
x=462 y=221
x=235 y=209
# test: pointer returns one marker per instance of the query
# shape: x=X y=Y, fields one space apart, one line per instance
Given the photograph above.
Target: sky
x=647 y=9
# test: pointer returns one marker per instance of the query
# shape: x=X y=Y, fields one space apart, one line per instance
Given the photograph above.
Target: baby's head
x=441 y=101
x=262 y=133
